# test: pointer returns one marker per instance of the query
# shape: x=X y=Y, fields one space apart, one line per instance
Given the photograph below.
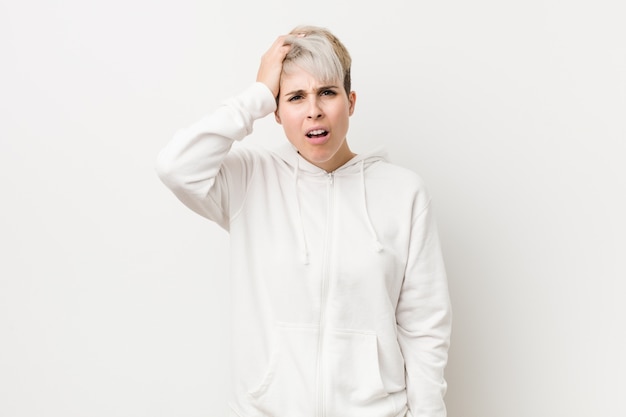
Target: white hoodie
x=340 y=303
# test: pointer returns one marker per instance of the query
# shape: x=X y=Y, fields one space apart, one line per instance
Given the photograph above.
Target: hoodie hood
x=289 y=154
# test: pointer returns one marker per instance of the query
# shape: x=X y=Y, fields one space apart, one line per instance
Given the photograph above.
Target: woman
x=340 y=304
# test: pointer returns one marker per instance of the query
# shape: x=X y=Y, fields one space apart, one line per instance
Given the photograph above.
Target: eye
x=295 y=98
x=328 y=93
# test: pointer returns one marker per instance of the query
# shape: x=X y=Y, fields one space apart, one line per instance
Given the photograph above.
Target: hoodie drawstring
x=304 y=250
x=377 y=245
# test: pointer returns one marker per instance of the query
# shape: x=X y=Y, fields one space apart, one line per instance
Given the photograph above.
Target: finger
x=280 y=41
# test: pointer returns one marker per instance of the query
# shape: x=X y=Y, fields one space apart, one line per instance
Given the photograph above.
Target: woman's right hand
x=272 y=64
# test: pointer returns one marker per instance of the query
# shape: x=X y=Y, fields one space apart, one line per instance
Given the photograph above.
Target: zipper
x=321 y=409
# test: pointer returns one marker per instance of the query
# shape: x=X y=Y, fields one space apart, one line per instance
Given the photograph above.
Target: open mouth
x=318 y=133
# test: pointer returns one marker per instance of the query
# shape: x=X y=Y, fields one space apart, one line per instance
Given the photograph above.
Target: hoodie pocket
x=288 y=386
x=355 y=387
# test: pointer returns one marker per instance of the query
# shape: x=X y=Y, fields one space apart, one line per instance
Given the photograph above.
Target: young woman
x=340 y=304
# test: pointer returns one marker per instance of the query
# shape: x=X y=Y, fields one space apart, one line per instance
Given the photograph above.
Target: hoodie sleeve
x=197 y=164
x=424 y=319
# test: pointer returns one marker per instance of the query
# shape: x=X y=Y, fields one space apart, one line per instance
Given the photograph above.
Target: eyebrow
x=301 y=92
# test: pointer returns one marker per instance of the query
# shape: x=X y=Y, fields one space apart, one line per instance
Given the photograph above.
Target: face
x=315 y=118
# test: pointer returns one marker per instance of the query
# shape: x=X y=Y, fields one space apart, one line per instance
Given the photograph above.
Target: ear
x=277 y=117
x=352 y=100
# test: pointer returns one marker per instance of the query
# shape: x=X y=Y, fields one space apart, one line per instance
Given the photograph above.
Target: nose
x=314 y=110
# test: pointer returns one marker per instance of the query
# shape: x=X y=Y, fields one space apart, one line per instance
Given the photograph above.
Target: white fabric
x=340 y=303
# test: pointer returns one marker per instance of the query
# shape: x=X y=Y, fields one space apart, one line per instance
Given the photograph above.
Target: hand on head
x=272 y=63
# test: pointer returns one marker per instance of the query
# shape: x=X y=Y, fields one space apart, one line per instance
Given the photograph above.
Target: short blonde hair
x=319 y=52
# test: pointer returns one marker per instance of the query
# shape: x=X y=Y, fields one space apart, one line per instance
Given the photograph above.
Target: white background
x=113 y=296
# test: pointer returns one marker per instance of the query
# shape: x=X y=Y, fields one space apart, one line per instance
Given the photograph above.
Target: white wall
x=113 y=295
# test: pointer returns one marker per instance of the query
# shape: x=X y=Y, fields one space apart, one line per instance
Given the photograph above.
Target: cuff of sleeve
x=259 y=100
